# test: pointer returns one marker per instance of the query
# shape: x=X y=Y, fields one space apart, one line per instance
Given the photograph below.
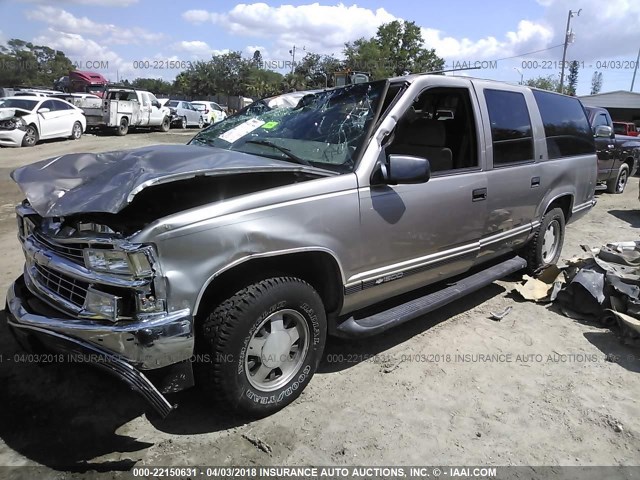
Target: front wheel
x=546 y=245
x=30 y=136
x=165 y=125
x=617 y=185
x=259 y=348
x=76 y=131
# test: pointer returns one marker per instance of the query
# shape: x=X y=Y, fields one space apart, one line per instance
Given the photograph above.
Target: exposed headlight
x=118 y=262
x=102 y=305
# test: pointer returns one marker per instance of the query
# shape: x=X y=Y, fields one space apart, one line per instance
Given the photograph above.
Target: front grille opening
x=69 y=288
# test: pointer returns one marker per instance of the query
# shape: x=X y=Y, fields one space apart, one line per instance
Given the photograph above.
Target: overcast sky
x=113 y=34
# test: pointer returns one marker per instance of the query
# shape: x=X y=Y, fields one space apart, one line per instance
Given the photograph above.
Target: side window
x=566 y=126
x=440 y=127
x=601 y=119
x=61 y=105
x=48 y=104
x=145 y=99
x=510 y=127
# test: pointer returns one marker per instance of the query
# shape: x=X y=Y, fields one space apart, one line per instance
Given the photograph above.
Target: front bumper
x=119 y=349
x=11 y=138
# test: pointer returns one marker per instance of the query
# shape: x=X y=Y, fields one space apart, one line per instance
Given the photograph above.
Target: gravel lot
x=419 y=395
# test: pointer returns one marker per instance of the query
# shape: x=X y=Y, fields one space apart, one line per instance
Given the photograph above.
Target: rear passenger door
x=515 y=178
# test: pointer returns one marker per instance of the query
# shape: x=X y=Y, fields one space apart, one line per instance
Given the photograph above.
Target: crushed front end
x=86 y=289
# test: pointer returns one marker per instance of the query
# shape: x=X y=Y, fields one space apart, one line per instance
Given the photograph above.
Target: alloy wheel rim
x=276 y=350
x=30 y=136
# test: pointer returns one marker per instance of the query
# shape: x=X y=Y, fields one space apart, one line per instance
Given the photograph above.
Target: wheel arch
x=318 y=267
x=563 y=201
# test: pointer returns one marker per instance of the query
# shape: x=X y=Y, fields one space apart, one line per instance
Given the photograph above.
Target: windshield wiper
x=284 y=150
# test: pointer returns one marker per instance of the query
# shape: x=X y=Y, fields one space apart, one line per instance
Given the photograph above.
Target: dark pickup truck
x=617 y=154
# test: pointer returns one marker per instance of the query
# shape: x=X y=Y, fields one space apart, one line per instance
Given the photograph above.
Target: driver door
x=420 y=233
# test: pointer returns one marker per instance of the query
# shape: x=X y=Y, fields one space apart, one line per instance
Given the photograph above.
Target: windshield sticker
x=241 y=130
x=270 y=125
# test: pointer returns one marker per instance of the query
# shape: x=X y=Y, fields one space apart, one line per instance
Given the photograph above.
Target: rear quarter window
x=566 y=126
x=511 y=130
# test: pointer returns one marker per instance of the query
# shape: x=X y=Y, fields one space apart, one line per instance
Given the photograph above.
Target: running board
x=405 y=312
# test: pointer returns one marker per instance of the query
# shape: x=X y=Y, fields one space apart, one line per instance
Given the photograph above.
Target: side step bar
x=394 y=316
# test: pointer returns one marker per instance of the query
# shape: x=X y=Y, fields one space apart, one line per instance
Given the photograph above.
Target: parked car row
x=28 y=116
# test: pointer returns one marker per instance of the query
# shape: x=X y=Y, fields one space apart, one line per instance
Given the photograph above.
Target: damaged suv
x=226 y=262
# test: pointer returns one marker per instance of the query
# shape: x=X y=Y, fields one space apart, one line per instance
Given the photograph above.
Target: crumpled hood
x=108 y=182
x=6 y=112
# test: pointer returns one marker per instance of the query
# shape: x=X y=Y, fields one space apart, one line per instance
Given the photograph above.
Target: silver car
x=226 y=262
x=184 y=114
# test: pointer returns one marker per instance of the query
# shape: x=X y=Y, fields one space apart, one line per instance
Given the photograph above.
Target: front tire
x=259 y=348
x=76 y=131
x=618 y=184
x=545 y=247
x=31 y=136
x=165 y=125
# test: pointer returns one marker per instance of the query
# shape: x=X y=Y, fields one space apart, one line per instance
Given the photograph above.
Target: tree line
x=396 y=49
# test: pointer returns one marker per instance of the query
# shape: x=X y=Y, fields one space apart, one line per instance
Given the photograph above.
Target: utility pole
x=293 y=57
x=521 y=75
x=635 y=70
x=568 y=35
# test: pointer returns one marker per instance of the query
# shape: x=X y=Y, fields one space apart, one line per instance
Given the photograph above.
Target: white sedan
x=213 y=113
x=26 y=120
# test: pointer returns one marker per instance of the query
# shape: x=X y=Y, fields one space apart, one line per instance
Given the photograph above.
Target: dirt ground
x=562 y=392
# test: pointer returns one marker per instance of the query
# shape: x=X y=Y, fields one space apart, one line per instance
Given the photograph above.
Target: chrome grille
x=71 y=251
x=69 y=288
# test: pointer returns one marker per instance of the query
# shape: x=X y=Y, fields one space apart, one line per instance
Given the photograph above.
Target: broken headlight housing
x=13 y=123
x=119 y=262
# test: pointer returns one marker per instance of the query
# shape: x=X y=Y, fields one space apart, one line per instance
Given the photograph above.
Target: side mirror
x=44 y=110
x=603 y=131
x=156 y=104
x=403 y=169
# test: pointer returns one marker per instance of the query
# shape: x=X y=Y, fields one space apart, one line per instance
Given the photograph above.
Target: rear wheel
x=618 y=184
x=183 y=123
x=259 y=348
x=545 y=247
x=123 y=128
x=200 y=122
x=76 y=131
x=30 y=136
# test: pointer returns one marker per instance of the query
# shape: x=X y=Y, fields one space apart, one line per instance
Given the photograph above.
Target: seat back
x=425 y=138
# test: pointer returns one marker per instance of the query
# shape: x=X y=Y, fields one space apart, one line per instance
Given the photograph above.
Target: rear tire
x=123 y=128
x=618 y=184
x=545 y=247
x=259 y=348
x=183 y=123
x=200 y=122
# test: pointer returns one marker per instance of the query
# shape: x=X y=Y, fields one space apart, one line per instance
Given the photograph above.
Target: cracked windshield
x=324 y=129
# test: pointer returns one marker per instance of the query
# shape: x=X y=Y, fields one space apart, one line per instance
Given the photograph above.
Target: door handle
x=479 y=194
x=535 y=182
